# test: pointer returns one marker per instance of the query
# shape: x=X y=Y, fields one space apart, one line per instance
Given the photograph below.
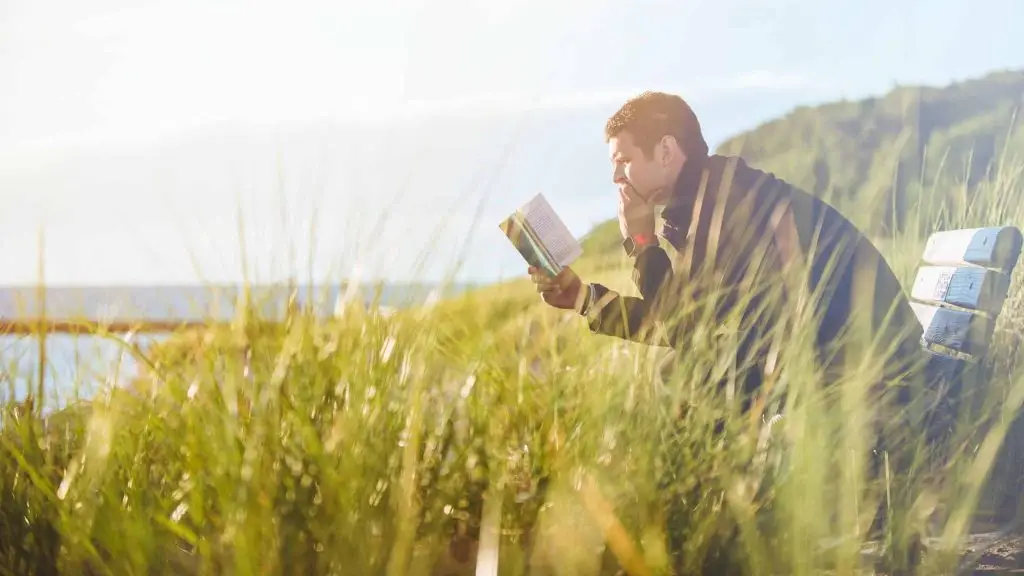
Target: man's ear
x=668 y=149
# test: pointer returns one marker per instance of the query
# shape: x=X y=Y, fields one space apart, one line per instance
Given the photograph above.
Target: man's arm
x=629 y=317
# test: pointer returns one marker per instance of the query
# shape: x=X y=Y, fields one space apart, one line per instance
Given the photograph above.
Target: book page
x=551 y=231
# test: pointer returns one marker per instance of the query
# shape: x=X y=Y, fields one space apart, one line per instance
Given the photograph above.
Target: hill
x=915 y=148
x=896 y=151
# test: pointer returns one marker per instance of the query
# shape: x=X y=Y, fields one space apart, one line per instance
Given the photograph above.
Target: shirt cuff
x=586 y=299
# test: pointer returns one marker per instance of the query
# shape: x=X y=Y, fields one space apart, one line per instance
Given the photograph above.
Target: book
x=540 y=236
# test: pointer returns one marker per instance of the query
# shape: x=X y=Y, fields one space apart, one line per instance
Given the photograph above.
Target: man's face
x=647 y=175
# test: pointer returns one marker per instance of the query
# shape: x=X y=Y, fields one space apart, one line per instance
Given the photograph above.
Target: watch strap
x=633 y=245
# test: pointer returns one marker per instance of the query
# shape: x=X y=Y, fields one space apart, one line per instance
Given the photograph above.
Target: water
x=76 y=366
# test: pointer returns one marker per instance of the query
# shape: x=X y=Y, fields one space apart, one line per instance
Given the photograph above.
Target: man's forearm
x=628 y=317
x=651 y=270
x=613 y=314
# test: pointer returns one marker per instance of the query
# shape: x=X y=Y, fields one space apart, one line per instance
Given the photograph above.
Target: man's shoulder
x=745 y=175
x=738 y=175
x=814 y=215
x=745 y=182
x=742 y=172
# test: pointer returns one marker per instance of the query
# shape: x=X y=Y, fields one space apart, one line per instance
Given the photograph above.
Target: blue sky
x=82 y=77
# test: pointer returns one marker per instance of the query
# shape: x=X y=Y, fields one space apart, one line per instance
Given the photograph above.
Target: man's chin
x=659 y=197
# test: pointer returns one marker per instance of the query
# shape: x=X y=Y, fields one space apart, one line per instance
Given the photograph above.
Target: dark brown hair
x=653 y=115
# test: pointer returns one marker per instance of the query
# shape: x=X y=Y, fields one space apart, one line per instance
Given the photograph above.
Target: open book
x=541 y=237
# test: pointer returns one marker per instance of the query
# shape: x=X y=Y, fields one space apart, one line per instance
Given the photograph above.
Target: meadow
x=489 y=434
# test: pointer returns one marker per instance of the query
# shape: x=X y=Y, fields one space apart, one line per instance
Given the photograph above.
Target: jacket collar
x=679 y=208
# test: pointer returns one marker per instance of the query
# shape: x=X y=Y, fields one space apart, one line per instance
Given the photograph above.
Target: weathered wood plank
x=964 y=286
x=27 y=327
x=994 y=247
x=956 y=329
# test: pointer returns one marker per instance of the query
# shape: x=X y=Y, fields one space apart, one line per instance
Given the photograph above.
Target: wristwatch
x=633 y=245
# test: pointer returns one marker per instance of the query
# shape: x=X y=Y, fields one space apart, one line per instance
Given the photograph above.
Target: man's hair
x=651 y=116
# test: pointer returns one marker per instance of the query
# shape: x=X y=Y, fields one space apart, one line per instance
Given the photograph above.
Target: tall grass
x=488 y=431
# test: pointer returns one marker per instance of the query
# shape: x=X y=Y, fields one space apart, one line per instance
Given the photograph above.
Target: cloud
x=770 y=80
x=700 y=90
x=511 y=102
x=371 y=110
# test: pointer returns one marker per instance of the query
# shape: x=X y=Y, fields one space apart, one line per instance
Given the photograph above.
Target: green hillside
x=916 y=150
x=913 y=146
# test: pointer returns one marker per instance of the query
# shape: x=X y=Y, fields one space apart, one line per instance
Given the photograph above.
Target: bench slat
x=964 y=286
x=994 y=247
x=956 y=329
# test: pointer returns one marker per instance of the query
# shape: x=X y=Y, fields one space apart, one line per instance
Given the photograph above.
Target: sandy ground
x=997 y=553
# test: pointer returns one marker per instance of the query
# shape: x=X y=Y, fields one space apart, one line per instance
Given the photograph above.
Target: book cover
x=540 y=236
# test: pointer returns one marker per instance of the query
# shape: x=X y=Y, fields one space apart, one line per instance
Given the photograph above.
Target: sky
x=94 y=92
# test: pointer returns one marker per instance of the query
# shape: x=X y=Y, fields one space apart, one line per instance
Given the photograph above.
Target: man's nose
x=619 y=175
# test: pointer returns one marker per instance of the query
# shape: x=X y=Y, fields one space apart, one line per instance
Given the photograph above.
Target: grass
x=488 y=428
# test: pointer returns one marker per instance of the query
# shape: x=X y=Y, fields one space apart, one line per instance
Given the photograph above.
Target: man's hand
x=636 y=215
x=562 y=291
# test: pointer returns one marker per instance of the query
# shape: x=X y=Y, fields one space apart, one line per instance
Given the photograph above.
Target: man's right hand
x=563 y=291
x=636 y=215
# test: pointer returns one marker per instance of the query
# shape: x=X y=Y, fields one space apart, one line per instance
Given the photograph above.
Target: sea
x=77 y=366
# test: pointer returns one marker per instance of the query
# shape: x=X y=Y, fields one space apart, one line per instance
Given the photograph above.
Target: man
x=740 y=236
x=751 y=253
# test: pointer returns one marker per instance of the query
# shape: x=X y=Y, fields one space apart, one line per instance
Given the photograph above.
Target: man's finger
x=630 y=195
x=548 y=282
x=636 y=211
x=544 y=277
x=547 y=285
x=633 y=198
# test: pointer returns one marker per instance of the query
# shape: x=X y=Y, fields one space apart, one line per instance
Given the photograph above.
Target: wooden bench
x=959 y=292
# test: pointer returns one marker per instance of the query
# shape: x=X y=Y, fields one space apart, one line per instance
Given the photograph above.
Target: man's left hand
x=562 y=291
x=636 y=215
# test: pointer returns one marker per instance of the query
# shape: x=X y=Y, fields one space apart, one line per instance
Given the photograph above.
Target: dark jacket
x=728 y=263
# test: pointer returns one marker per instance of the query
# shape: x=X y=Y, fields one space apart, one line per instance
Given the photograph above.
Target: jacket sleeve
x=629 y=317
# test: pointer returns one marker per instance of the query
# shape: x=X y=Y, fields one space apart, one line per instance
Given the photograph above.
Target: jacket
x=746 y=245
